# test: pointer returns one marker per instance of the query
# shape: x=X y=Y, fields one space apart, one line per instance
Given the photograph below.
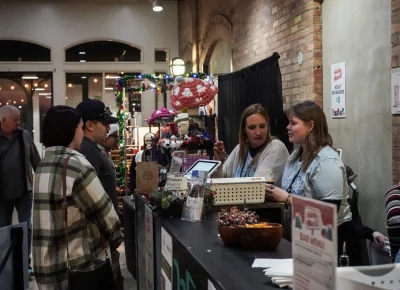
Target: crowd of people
x=76 y=218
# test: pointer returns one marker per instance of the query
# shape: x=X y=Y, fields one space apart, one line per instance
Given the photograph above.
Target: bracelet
x=287 y=203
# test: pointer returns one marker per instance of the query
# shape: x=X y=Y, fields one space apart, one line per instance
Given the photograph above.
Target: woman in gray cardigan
x=257 y=154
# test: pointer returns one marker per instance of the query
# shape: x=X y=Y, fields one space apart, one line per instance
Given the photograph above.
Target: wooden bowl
x=229 y=235
x=261 y=239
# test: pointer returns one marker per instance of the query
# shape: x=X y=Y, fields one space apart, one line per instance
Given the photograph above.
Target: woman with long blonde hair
x=258 y=152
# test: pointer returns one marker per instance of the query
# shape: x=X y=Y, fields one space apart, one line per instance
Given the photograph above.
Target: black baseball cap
x=95 y=110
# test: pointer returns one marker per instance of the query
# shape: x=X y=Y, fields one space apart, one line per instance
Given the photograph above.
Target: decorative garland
x=158 y=84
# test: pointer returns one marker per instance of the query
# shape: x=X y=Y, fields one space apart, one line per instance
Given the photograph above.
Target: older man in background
x=18 y=155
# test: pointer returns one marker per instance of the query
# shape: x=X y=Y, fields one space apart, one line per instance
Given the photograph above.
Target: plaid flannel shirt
x=90 y=212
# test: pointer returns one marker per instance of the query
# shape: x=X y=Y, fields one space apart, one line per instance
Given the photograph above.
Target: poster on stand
x=314 y=244
x=166 y=260
x=338 y=90
x=149 y=248
x=395 y=85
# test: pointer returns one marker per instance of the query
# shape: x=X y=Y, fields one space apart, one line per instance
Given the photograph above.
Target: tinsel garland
x=159 y=83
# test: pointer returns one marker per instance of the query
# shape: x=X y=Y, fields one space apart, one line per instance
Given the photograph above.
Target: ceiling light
x=83 y=77
x=44 y=94
x=82 y=60
x=157 y=6
x=82 y=52
x=29 y=77
x=112 y=77
x=109 y=88
x=39 y=89
x=48 y=97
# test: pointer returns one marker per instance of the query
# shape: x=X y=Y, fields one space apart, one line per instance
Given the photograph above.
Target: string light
x=66 y=98
x=15 y=102
x=95 y=80
x=35 y=84
x=26 y=85
x=12 y=87
x=70 y=85
x=22 y=100
x=46 y=85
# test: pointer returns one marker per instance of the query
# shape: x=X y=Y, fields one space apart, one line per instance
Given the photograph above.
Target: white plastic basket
x=233 y=191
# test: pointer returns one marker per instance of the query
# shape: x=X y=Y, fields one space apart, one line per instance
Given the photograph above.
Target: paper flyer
x=166 y=260
x=314 y=244
x=338 y=90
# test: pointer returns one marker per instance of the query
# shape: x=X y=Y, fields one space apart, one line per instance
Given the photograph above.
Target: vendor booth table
x=199 y=256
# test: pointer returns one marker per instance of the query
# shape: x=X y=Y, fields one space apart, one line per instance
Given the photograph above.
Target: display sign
x=314 y=244
x=338 y=90
x=176 y=182
x=395 y=91
x=166 y=260
x=187 y=272
x=149 y=248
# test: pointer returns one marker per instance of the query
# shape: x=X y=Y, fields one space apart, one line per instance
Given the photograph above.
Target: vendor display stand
x=199 y=256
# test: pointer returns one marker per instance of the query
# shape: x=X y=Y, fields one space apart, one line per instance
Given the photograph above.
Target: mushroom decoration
x=161 y=114
x=192 y=92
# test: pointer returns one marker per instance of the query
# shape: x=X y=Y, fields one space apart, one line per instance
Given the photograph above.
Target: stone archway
x=219 y=28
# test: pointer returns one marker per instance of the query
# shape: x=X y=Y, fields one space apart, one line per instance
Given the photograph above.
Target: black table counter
x=228 y=267
x=198 y=253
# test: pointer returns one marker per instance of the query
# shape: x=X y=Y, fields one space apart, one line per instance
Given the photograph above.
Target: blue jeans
x=23 y=206
x=397 y=260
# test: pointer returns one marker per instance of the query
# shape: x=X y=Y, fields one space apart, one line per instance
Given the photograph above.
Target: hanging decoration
x=148 y=82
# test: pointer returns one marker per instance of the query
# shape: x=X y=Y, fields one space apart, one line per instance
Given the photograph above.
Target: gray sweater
x=270 y=164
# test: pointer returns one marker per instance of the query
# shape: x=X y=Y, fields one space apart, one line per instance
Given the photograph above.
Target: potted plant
x=168 y=203
x=230 y=220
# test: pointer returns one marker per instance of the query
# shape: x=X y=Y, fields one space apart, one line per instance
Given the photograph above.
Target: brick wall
x=256 y=29
x=396 y=64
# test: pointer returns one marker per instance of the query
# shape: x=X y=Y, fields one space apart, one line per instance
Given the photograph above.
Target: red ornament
x=191 y=93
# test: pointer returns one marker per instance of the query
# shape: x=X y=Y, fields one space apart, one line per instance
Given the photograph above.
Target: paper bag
x=146 y=177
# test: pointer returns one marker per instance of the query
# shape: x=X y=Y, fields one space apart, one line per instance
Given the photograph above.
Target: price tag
x=176 y=182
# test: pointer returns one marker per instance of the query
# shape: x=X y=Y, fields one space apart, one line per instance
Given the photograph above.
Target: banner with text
x=314 y=244
x=338 y=90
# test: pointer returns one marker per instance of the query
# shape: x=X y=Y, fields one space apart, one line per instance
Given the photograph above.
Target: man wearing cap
x=96 y=124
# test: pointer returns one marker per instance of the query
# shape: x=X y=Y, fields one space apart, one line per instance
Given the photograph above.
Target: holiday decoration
x=161 y=115
x=192 y=92
x=156 y=83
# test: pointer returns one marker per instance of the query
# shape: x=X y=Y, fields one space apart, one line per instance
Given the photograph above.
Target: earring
x=308 y=133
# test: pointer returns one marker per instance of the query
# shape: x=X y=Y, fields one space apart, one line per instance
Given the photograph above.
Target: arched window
x=102 y=51
x=15 y=50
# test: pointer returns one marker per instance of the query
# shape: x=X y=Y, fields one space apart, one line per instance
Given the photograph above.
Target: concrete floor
x=129 y=282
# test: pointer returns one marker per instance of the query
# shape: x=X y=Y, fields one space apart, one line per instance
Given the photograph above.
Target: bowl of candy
x=260 y=236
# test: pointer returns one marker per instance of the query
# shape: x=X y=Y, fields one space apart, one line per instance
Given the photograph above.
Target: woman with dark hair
x=258 y=153
x=92 y=223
